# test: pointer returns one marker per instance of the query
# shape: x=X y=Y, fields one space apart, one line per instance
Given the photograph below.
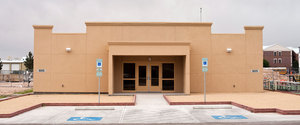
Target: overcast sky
x=281 y=18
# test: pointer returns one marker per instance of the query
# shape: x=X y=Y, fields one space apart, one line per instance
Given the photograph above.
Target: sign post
x=204 y=69
x=99 y=74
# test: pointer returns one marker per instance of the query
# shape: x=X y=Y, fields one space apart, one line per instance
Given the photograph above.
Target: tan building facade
x=147 y=57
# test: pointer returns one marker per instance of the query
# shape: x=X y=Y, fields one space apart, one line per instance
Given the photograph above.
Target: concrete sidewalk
x=16 y=104
x=153 y=99
x=151 y=108
x=266 y=99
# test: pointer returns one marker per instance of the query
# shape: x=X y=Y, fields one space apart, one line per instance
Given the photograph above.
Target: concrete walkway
x=150 y=108
x=152 y=99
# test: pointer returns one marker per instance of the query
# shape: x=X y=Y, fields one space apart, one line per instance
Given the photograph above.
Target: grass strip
x=24 y=92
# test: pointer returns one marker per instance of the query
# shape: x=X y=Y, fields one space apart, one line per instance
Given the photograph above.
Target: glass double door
x=148 y=78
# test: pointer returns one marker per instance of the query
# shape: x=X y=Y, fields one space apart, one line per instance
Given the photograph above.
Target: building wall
x=286 y=59
x=75 y=71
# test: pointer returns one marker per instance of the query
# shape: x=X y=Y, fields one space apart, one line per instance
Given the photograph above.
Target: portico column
x=110 y=74
x=187 y=75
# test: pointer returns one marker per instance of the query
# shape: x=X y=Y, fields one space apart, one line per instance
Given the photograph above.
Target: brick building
x=279 y=56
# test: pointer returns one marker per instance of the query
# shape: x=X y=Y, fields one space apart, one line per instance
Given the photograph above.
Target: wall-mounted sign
x=41 y=70
x=254 y=70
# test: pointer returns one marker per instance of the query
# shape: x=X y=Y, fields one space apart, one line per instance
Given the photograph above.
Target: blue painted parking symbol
x=84 y=119
x=229 y=117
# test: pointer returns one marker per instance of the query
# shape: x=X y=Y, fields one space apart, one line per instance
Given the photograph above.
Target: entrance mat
x=66 y=104
x=254 y=110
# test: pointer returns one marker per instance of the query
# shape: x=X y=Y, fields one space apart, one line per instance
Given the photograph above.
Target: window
x=129 y=84
x=274 y=60
x=129 y=76
x=5 y=67
x=279 y=53
x=142 y=75
x=154 y=75
x=15 y=66
x=279 y=60
x=168 y=70
x=168 y=76
x=274 y=53
x=129 y=70
x=168 y=85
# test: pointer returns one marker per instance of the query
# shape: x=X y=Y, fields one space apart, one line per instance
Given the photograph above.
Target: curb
x=63 y=104
x=251 y=109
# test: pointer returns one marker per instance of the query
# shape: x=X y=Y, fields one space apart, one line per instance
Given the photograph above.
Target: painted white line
x=122 y=115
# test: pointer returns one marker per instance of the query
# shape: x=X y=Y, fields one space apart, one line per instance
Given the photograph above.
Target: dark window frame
x=131 y=77
x=143 y=78
x=169 y=74
x=170 y=78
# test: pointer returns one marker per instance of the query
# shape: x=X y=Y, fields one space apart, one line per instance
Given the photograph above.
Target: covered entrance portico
x=149 y=67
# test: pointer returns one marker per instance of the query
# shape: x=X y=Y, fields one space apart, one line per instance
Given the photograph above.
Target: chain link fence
x=282 y=86
x=15 y=76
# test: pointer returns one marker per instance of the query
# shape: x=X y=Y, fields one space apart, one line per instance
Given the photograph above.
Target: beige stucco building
x=147 y=57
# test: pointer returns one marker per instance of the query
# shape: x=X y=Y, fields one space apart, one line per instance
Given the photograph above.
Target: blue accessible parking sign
x=204 y=64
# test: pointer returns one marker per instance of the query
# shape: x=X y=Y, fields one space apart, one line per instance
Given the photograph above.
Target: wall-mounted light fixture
x=68 y=49
x=229 y=50
x=149 y=59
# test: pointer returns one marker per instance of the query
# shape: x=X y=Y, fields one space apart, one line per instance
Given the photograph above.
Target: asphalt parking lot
x=150 y=108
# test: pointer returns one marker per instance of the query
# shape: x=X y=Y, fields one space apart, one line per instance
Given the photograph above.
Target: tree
x=1 y=64
x=295 y=65
x=266 y=63
x=29 y=62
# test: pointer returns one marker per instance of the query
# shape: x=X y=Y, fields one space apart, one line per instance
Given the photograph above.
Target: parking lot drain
x=84 y=119
x=229 y=117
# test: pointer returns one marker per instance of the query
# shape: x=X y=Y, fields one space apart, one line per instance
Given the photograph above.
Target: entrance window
x=129 y=76
x=168 y=84
x=168 y=70
x=168 y=76
x=142 y=75
x=129 y=84
x=129 y=70
x=154 y=75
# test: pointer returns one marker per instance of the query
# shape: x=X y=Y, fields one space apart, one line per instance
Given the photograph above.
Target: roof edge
x=148 y=43
x=148 y=24
x=253 y=27
x=42 y=26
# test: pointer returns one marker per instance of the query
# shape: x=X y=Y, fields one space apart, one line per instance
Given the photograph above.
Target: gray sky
x=281 y=18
